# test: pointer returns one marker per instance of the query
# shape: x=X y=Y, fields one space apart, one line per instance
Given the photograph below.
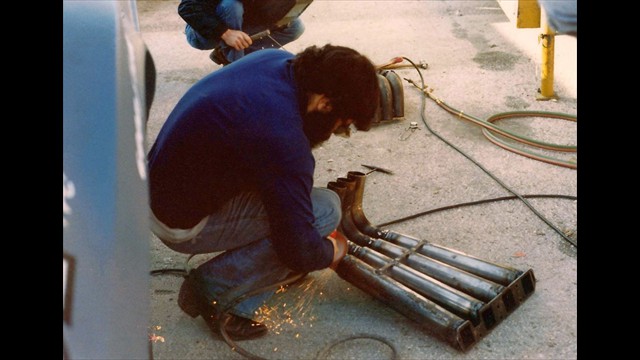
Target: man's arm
x=285 y=180
x=297 y=242
x=201 y=16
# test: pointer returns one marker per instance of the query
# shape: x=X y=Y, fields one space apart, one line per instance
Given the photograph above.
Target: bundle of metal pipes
x=457 y=298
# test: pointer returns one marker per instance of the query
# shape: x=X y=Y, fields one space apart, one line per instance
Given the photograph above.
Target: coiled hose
x=489 y=129
x=481 y=122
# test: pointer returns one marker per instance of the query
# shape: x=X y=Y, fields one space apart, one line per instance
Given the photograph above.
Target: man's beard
x=318 y=127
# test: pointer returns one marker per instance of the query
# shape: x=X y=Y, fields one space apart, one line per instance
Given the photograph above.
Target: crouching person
x=232 y=171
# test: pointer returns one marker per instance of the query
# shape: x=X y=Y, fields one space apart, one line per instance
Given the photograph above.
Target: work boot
x=194 y=303
x=218 y=57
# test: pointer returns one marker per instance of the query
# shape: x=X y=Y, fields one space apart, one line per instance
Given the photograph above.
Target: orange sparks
x=156 y=338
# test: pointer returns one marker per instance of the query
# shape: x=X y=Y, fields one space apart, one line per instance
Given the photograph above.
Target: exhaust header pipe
x=458 y=298
x=436 y=320
x=391 y=104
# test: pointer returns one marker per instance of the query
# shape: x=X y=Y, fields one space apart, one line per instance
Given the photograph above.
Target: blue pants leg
x=230 y=12
x=242 y=229
x=198 y=41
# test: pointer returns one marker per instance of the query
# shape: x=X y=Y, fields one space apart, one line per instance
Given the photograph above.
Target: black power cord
x=535 y=211
x=324 y=353
x=245 y=291
x=478 y=202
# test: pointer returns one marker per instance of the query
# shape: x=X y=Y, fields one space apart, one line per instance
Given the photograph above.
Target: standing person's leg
x=281 y=36
x=242 y=228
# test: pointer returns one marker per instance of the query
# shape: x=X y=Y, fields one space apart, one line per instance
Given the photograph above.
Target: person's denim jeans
x=231 y=12
x=241 y=228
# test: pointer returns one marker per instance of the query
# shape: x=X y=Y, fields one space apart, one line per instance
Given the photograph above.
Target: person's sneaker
x=192 y=302
x=218 y=57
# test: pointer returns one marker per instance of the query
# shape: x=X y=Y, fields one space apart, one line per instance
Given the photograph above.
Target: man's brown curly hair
x=344 y=75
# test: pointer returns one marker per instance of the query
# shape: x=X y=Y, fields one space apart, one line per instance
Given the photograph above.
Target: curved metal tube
x=398 y=93
x=449 y=298
x=386 y=107
x=500 y=274
x=351 y=191
x=460 y=297
x=436 y=320
x=359 y=218
x=341 y=190
x=473 y=285
x=452 y=299
x=485 y=269
x=344 y=188
x=338 y=188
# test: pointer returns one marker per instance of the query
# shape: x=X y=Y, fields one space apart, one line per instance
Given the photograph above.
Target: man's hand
x=237 y=39
x=340 y=247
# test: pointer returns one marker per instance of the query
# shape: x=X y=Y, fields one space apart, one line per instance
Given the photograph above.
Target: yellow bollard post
x=547 y=41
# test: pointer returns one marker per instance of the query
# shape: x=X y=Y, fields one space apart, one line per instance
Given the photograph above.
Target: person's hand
x=340 y=247
x=237 y=39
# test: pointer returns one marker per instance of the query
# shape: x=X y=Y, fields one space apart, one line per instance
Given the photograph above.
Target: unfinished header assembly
x=457 y=298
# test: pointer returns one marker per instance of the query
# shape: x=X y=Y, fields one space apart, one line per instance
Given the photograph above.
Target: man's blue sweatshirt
x=240 y=128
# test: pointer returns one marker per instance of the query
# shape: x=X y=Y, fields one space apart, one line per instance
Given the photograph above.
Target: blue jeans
x=562 y=16
x=232 y=12
x=241 y=227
